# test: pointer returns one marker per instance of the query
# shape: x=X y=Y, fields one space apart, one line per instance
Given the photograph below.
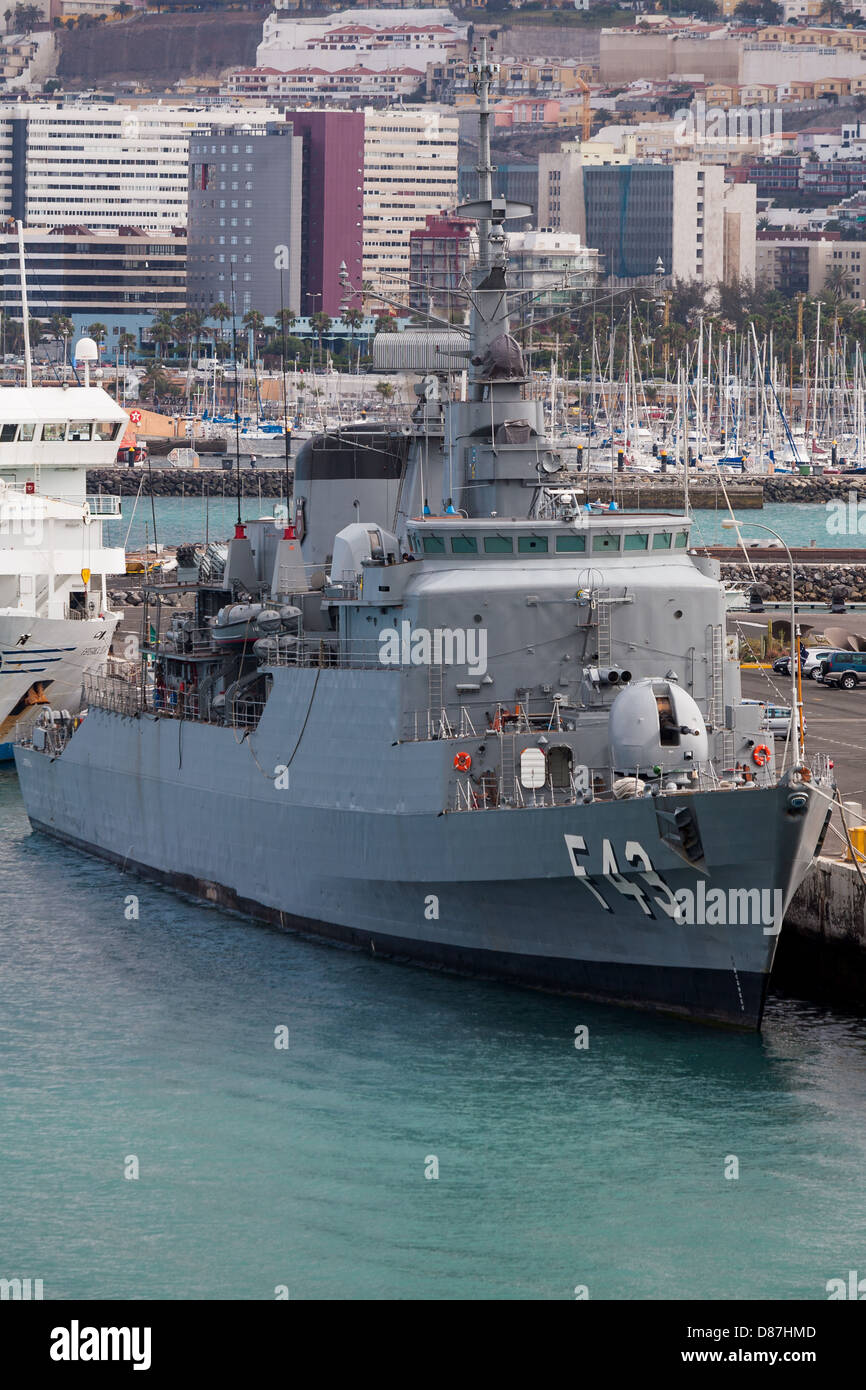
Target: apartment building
x=244 y=218
x=439 y=259
x=119 y=278
x=800 y=262
x=683 y=215
x=410 y=172
x=349 y=84
x=103 y=166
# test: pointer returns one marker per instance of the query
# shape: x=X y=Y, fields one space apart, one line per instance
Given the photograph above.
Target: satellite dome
x=86 y=350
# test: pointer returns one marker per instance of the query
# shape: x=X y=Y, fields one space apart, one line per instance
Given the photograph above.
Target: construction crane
x=585 y=110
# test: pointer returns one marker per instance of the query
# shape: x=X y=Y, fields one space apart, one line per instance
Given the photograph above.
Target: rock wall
x=187 y=482
x=812 y=583
x=159 y=49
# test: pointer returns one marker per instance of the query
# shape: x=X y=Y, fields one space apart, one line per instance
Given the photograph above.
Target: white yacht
x=55 y=622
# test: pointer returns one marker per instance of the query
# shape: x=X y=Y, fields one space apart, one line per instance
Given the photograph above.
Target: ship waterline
x=503 y=894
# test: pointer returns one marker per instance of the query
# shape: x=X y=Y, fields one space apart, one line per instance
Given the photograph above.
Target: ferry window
x=682 y=540
x=498 y=545
x=7 y=433
x=53 y=433
x=464 y=545
x=605 y=543
x=525 y=544
x=637 y=540
x=106 y=429
x=79 y=431
x=434 y=545
x=571 y=543
x=662 y=540
x=27 y=433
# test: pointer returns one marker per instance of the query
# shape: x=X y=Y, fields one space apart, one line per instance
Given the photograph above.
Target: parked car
x=843 y=669
x=775 y=719
x=814 y=657
x=782 y=664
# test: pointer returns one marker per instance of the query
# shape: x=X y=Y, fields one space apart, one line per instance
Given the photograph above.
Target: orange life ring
x=462 y=762
x=761 y=754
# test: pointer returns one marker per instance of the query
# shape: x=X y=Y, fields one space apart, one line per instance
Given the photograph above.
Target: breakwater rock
x=188 y=482
x=812 y=583
x=792 y=489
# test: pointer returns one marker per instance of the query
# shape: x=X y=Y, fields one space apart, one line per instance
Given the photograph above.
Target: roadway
x=835 y=725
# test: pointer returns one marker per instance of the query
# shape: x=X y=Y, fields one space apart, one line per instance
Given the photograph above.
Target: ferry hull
x=44 y=660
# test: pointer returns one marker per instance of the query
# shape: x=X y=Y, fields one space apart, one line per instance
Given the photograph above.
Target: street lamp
x=733 y=524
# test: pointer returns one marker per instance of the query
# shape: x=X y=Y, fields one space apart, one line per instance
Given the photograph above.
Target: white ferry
x=55 y=622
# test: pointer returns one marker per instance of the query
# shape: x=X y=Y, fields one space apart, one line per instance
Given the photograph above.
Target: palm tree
x=127 y=343
x=221 y=312
x=254 y=323
x=98 y=332
x=162 y=330
x=122 y=9
x=320 y=322
x=352 y=318
x=839 y=283
x=155 y=380
x=384 y=390
x=384 y=323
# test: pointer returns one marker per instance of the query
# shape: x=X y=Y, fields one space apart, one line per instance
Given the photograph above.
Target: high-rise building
x=439 y=258
x=332 y=212
x=244 y=219
x=682 y=216
x=101 y=165
x=410 y=172
x=119 y=279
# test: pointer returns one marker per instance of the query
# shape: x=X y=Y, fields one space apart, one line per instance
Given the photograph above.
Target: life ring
x=462 y=762
x=761 y=755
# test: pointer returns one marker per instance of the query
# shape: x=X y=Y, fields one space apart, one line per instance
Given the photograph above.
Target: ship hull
x=43 y=661
x=491 y=893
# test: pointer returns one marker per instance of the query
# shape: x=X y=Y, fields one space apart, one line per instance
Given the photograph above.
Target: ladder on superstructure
x=716 y=703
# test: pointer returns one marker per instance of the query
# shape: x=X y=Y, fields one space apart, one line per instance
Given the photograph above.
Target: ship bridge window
x=464 y=545
x=662 y=540
x=529 y=544
x=7 y=434
x=682 y=540
x=107 y=429
x=607 y=542
x=636 y=540
x=53 y=433
x=27 y=433
x=570 y=543
x=498 y=545
x=434 y=545
x=79 y=431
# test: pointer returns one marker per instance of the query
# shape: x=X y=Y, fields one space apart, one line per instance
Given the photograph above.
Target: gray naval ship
x=496 y=733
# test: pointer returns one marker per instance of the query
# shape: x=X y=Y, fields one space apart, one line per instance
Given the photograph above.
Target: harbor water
x=138 y=1036
x=192 y=518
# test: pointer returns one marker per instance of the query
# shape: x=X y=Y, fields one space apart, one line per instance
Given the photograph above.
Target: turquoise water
x=191 y=518
x=305 y=1167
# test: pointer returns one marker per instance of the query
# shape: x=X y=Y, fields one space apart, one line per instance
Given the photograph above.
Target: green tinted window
x=498 y=545
x=571 y=543
x=531 y=543
x=682 y=540
x=434 y=545
x=605 y=543
x=662 y=540
x=464 y=545
x=639 y=540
